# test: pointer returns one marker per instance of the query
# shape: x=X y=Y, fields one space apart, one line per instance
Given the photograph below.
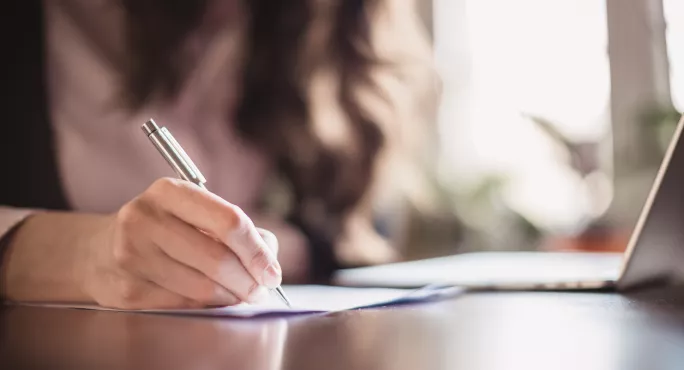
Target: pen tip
x=283 y=297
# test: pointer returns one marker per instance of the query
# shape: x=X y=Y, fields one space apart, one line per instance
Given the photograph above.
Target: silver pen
x=186 y=169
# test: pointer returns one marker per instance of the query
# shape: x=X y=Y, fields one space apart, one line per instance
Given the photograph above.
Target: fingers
x=185 y=281
x=135 y=294
x=270 y=239
x=224 y=221
x=207 y=257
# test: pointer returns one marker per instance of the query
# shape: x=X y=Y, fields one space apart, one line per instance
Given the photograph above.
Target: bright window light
x=503 y=59
x=674 y=9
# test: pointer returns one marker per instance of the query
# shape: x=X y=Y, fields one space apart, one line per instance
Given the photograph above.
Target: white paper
x=305 y=299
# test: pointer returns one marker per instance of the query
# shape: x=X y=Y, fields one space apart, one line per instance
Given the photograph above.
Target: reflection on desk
x=530 y=330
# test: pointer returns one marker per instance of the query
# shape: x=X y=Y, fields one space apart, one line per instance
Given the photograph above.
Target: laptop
x=654 y=255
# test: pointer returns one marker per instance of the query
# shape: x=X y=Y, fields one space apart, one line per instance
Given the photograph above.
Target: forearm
x=43 y=261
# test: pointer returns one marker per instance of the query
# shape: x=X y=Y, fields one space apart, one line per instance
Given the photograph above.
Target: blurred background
x=553 y=119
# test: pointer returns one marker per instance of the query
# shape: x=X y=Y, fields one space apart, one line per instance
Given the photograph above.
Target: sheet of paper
x=307 y=299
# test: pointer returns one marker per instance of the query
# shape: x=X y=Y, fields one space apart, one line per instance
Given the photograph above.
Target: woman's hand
x=175 y=245
x=153 y=254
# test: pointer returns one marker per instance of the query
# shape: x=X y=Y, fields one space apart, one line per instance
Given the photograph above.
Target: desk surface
x=524 y=330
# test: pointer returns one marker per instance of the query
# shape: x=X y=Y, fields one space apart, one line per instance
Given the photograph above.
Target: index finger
x=222 y=220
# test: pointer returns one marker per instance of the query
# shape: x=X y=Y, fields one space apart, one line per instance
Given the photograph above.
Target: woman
x=258 y=92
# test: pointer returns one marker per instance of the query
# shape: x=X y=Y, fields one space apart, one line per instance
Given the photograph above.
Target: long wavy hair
x=274 y=105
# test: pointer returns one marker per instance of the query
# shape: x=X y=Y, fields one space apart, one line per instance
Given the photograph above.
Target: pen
x=186 y=169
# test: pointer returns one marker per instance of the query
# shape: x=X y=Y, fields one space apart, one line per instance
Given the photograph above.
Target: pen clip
x=189 y=164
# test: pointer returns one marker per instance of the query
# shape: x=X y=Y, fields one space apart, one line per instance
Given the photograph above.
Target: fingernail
x=257 y=294
x=272 y=276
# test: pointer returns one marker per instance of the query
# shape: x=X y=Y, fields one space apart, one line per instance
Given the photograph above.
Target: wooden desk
x=476 y=331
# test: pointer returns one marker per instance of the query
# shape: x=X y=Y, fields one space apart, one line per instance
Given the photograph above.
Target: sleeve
x=10 y=219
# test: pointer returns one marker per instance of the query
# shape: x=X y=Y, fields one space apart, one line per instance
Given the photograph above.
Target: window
x=503 y=60
x=675 y=48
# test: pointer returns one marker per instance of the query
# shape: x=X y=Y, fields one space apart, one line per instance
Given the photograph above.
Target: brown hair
x=274 y=109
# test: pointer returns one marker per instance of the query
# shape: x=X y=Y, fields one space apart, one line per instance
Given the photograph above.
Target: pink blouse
x=104 y=158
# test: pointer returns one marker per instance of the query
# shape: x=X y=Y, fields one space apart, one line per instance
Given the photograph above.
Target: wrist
x=96 y=235
x=48 y=257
